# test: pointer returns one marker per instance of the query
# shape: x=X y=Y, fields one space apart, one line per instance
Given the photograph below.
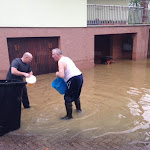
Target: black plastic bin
x=10 y=105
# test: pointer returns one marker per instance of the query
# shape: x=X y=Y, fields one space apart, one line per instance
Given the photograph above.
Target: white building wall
x=43 y=13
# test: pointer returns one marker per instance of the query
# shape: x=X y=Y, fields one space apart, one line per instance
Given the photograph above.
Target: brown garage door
x=40 y=48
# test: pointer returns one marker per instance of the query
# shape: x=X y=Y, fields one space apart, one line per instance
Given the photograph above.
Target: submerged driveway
x=116 y=106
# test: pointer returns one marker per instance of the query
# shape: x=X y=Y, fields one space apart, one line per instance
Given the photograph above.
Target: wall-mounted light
x=50 y=45
x=17 y=47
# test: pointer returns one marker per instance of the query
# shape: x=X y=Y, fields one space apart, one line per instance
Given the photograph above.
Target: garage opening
x=102 y=47
x=117 y=46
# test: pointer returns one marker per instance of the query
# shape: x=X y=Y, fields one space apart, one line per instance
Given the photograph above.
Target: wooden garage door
x=40 y=48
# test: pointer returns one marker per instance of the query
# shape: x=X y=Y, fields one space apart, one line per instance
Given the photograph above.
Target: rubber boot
x=78 y=105
x=69 y=112
x=25 y=99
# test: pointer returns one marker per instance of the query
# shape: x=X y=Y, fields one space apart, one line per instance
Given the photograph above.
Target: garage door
x=40 y=48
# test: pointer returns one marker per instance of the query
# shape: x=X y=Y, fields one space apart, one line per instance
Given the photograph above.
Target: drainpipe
x=145 y=11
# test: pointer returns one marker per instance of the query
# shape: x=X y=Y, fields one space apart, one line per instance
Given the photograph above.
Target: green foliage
x=135 y=2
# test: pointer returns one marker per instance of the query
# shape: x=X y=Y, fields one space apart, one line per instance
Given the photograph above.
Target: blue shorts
x=73 y=91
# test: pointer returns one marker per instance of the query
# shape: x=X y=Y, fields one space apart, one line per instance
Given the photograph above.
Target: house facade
x=39 y=26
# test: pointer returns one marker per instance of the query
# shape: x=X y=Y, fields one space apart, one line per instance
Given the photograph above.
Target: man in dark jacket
x=19 y=68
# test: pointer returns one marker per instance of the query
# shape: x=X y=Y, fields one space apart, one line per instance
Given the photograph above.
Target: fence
x=113 y=14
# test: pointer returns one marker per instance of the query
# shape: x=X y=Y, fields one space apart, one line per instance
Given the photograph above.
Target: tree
x=136 y=2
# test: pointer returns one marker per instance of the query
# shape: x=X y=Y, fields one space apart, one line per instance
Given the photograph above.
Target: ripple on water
x=114 y=100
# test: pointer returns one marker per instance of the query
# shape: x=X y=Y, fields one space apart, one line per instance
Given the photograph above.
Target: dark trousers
x=73 y=91
x=25 y=99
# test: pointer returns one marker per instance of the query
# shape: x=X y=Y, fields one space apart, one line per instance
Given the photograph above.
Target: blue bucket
x=60 y=85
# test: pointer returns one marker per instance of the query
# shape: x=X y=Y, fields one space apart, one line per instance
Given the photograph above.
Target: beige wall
x=117 y=47
x=109 y=2
x=77 y=43
x=118 y=52
x=43 y=13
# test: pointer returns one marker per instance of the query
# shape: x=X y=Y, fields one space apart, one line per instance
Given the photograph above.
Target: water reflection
x=115 y=99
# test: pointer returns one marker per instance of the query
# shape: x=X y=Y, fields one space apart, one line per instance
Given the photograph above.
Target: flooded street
x=115 y=98
x=115 y=101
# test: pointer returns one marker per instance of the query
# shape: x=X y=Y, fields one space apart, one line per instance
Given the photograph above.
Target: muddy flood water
x=115 y=99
